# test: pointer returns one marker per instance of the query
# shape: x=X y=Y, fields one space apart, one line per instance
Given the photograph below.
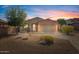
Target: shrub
x=67 y=29
x=46 y=40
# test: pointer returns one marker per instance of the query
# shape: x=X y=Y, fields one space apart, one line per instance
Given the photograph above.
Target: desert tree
x=16 y=17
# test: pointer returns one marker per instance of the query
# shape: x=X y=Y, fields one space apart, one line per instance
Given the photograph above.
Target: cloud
x=5 y=6
x=55 y=14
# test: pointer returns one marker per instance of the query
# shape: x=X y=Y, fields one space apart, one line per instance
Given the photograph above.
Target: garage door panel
x=48 y=28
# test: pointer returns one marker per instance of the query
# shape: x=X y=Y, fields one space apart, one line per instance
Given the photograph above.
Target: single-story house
x=42 y=25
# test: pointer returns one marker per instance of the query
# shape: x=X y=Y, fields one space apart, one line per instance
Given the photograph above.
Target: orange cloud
x=64 y=14
x=60 y=14
x=55 y=14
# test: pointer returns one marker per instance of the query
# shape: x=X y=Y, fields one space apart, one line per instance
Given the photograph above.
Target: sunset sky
x=46 y=11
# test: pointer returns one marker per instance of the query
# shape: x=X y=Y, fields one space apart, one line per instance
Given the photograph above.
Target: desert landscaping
x=20 y=44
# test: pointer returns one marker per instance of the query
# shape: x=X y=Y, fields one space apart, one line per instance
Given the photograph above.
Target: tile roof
x=38 y=19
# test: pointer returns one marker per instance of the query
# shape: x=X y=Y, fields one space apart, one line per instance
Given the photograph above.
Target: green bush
x=67 y=29
x=47 y=40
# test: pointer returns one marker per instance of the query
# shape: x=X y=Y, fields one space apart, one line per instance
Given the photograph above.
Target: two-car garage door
x=49 y=28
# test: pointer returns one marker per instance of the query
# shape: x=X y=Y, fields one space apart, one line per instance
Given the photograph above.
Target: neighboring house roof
x=74 y=22
x=37 y=20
